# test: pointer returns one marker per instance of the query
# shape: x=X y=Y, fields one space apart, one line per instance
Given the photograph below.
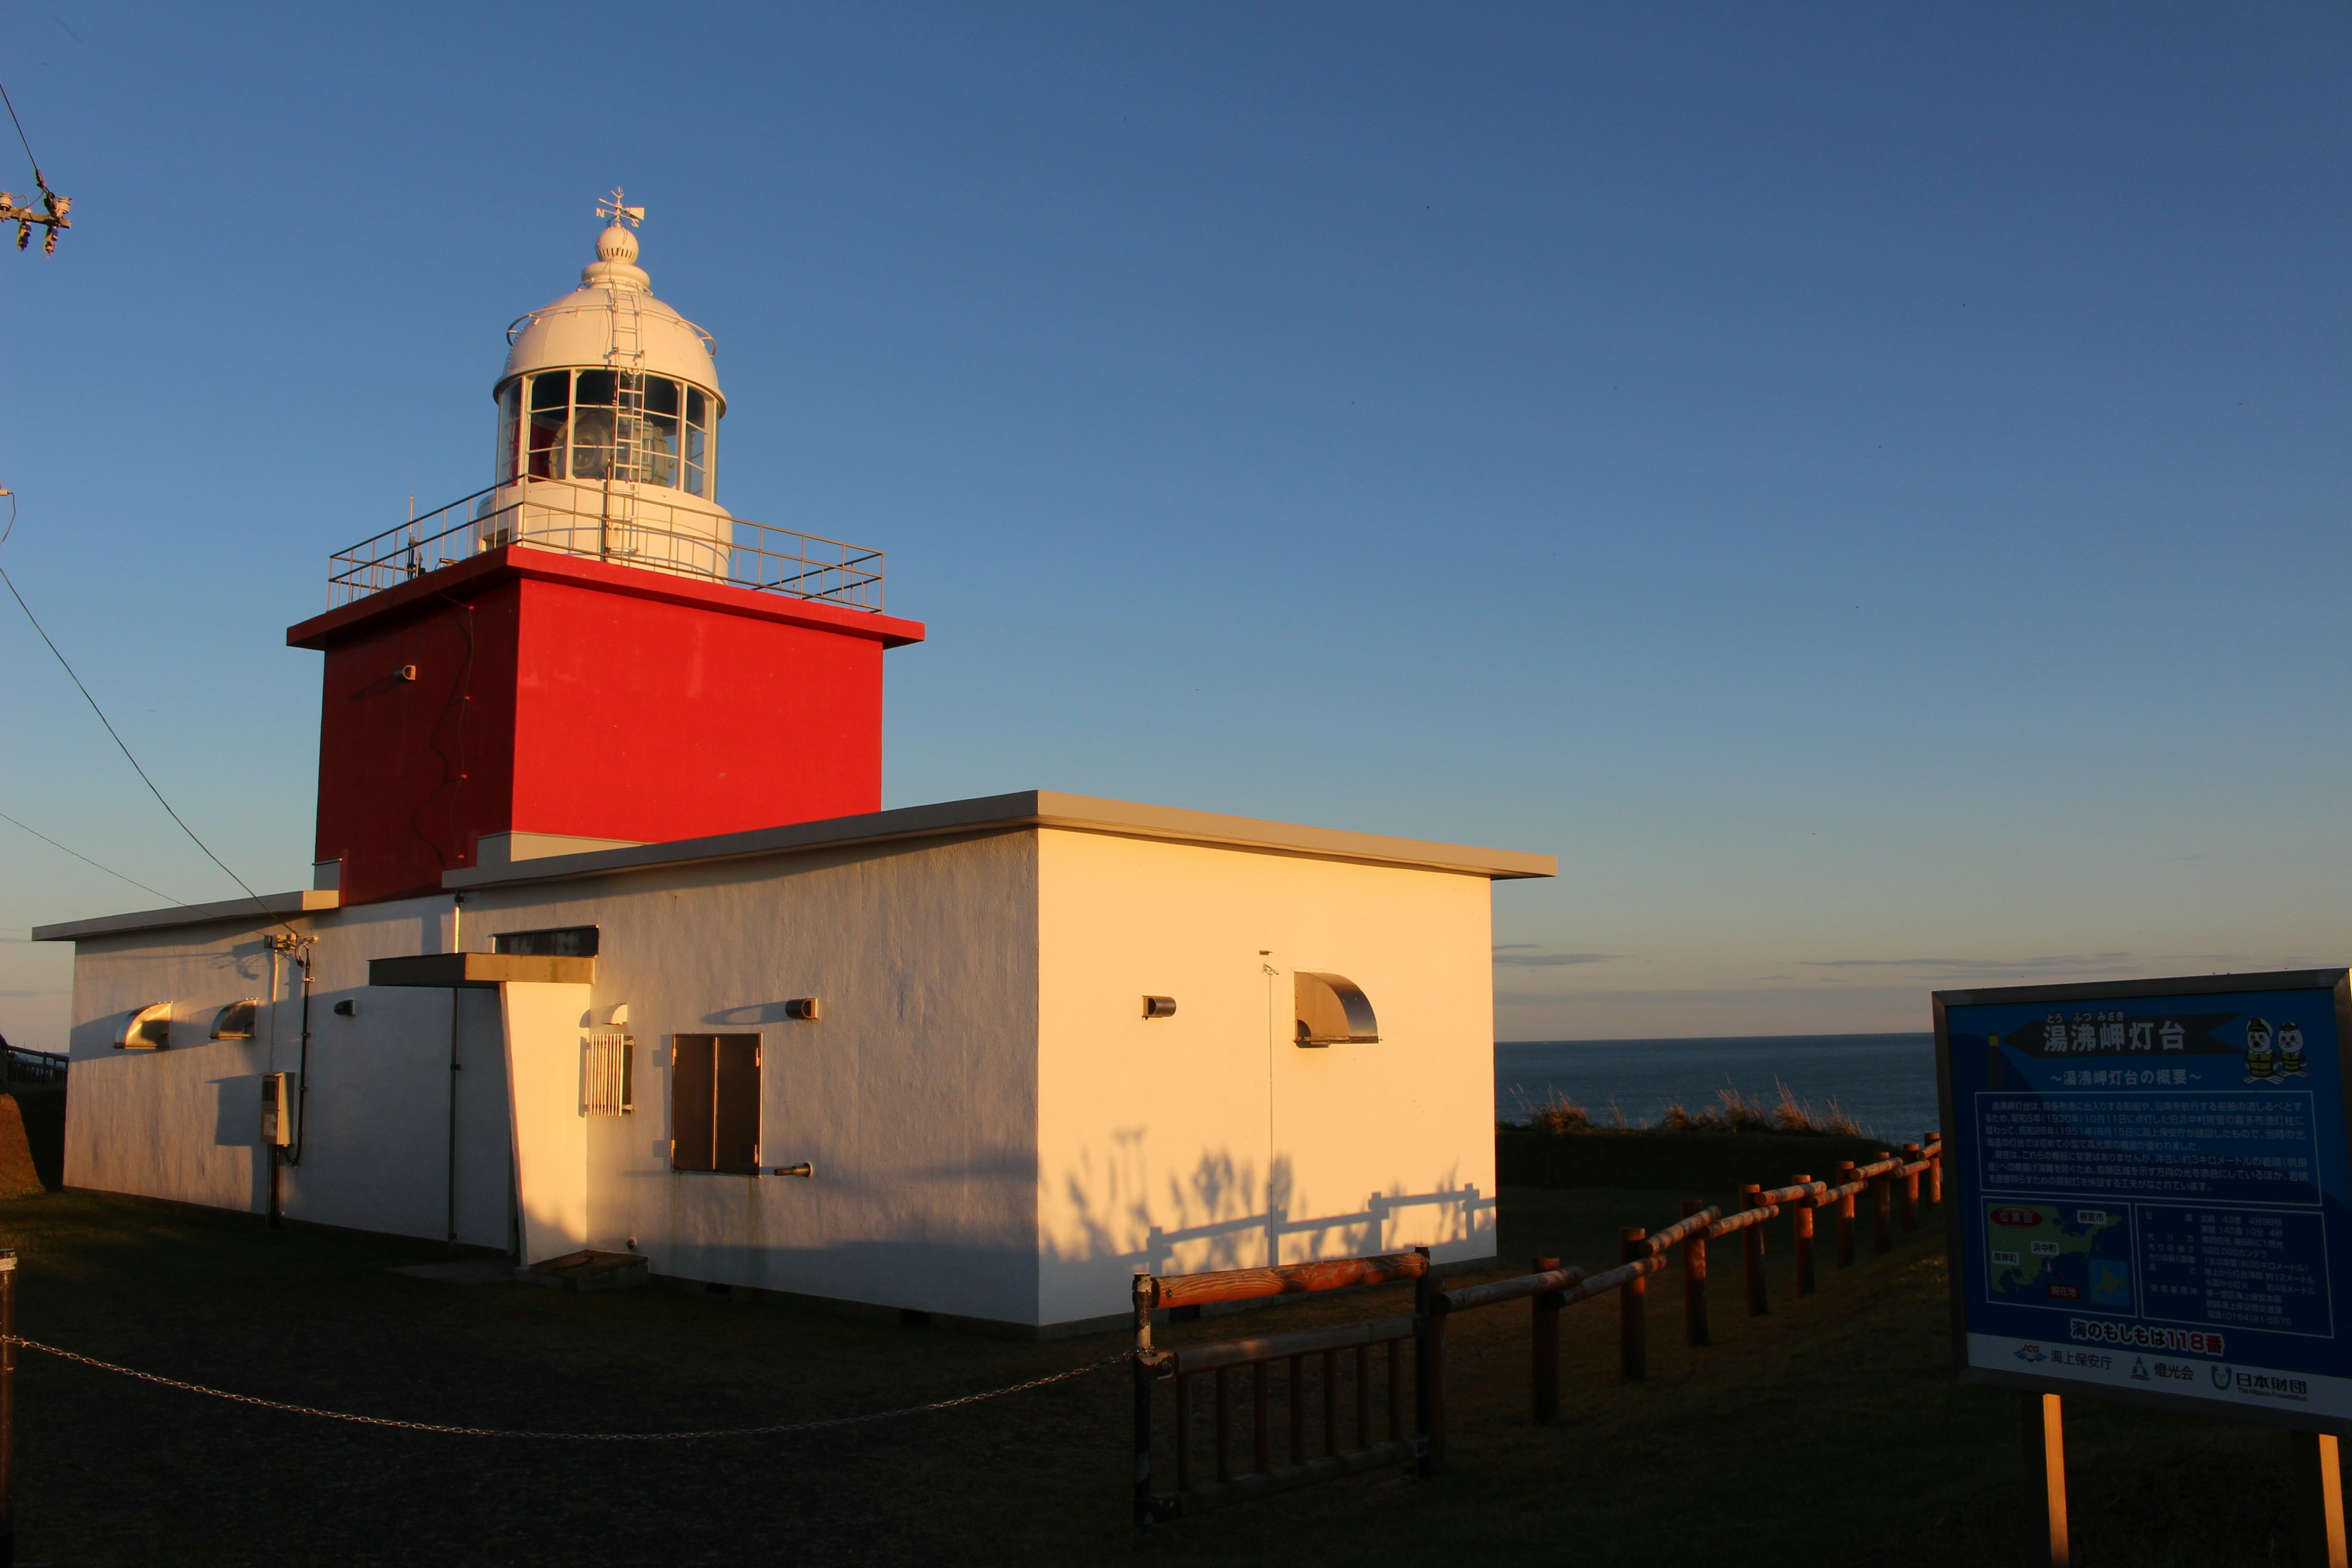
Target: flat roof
x=1025 y=808
x=983 y=813
x=276 y=906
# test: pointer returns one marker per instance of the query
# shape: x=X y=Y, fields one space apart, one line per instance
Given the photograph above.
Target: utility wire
x=20 y=136
x=102 y=718
x=87 y=861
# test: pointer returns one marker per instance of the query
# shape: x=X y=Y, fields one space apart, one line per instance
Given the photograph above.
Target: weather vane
x=611 y=207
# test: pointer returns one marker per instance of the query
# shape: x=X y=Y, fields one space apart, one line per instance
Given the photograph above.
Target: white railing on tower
x=655 y=537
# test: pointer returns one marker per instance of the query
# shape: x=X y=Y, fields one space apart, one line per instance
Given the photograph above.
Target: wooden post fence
x=1694 y=1327
x=1846 y=1215
x=1912 y=1166
x=1633 y=1307
x=1544 y=1341
x=1314 y=1370
x=1800 y=1238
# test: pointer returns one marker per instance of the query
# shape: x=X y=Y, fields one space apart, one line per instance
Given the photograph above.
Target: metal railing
x=636 y=530
x=1892 y=1182
x=18 y=1065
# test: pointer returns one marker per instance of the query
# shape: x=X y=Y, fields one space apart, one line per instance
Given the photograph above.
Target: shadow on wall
x=1216 y=1218
x=749 y=1014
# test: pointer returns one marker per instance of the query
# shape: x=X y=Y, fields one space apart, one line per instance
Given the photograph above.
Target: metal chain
x=1111 y=1359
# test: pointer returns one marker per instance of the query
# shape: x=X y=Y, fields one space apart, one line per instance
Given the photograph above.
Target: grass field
x=1831 y=1432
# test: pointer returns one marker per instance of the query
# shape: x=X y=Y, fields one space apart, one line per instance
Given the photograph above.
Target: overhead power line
x=87 y=861
x=67 y=665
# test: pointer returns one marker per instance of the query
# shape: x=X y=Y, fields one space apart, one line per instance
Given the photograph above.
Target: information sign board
x=2151 y=1191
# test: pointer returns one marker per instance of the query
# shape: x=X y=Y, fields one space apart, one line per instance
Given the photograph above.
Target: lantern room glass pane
x=661 y=394
x=594 y=387
x=502 y=466
x=592 y=441
x=551 y=389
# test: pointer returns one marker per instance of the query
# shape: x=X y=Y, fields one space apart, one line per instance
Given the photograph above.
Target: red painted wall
x=556 y=695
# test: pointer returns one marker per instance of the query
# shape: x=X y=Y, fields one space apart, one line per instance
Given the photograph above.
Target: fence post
x=1800 y=1229
x=1545 y=1339
x=1751 y=1251
x=1633 y=1304
x=1910 y=1187
x=2315 y=1473
x=1936 y=1168
x=1695 y=1279
x=1881 y=1238
x=7 y=1405
x=1142 y=1376
x=1845 y=1215
x=1429 y=1371
x=2045 y=1480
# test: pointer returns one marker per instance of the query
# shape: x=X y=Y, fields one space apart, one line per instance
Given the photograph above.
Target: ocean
x=1885 y=1082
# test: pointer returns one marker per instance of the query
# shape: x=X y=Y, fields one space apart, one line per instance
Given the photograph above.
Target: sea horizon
x=1884 y=1081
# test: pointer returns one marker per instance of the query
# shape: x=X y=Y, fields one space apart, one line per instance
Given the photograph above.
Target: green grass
x=1831 y=1432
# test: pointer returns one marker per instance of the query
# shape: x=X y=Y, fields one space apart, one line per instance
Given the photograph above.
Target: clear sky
x=1864 y=486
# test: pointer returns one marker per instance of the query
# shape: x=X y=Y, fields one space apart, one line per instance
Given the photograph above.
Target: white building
x=1020 y=1046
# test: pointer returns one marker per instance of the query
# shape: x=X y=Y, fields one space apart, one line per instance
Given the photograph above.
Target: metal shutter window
x=714 y=1099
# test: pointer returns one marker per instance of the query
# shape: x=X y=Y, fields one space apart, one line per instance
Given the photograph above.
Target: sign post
x=2155 y=1205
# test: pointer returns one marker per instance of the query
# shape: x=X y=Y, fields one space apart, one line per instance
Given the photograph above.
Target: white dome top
x=610 y=312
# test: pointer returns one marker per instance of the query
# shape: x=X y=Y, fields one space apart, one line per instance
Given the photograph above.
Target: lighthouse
x=592 y=651
x=613 y=957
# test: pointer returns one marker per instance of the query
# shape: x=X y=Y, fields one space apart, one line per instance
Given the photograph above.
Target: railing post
x=1632 y=1297
x=1140 y=1368
x=7 y=1405
x=1882 y=1235
x=1910 y=1187
x=1544 y=1342
x=1296 y=1385
x=1695 y=1279
x=1751 y=1251
x=1936 y=1168
x=1260 y=1429
x=1801 y=1231
x=1429 y=1371
x=1845 y=1215
x=1225 y=1423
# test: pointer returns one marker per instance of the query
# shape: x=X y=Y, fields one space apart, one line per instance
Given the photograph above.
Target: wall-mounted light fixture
x=347 y=1008
x=406 y=672
x=1160 y=1006
x=803 y=1169
x=807 y=1009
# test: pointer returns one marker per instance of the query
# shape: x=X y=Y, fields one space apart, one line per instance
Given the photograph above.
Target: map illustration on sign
x=2054 y=1252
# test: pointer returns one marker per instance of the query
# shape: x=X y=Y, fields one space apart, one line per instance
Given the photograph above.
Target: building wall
x=411 y=772
x=915 y=1095
x=557 y=707
x=185 y=1123
x=1209 y=1140
x=643 y=719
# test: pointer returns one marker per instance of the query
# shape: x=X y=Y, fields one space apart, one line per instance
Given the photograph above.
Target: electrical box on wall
x=277 y=1109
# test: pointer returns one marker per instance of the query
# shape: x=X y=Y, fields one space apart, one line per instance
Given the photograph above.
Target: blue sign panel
x=2151 y=1189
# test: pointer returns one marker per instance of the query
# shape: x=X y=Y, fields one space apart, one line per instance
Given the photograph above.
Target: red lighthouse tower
x=592 y=650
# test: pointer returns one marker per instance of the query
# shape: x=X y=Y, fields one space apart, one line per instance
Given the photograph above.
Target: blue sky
x=1864 y=488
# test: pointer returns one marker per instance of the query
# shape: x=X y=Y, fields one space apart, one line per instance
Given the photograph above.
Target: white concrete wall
x=1209 y=1140
x=997 y=1131
x=545 y=1026
x=914 y=1095
x=185 y=1123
